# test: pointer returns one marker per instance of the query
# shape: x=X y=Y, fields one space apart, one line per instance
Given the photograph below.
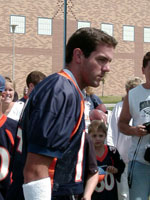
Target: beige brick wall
x=45 y=53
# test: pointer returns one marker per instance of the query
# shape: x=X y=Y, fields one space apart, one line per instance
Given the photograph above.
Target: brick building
x=38 y=38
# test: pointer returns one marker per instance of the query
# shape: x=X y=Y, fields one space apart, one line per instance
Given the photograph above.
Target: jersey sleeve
x=118 y=162
x=52 y=113
x=91 y=163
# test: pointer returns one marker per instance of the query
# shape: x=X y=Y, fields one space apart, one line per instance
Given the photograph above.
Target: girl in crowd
x=108 y=159
x=11 y=109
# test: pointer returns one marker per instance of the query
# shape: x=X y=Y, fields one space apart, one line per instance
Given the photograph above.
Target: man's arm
x=36 y=177
x=91 y=169
x=36 y=167
x=124 y=120
x=92 y=181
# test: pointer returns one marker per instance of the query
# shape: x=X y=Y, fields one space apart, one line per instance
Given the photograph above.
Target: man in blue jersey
x=55 y=127
x=8 y=128
x=15 y=191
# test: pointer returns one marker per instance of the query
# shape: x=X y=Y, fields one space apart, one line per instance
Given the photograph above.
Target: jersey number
x=4 y=163
x=20 y=142
x=107 y=183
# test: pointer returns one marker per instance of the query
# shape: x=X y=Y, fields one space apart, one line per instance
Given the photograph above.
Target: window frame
x=127 y=40
x=51 y=24
x=144 y=35
x=24 y=28
x=107 y=24
x=83 y=22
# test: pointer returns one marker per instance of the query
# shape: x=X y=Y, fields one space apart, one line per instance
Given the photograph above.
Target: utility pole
x=65 y=31
x=13 y=26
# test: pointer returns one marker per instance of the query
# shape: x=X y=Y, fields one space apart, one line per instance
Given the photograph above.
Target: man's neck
x=76 y=73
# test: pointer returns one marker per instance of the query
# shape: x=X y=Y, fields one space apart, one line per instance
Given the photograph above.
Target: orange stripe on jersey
x=68 y=77
x=52 y=170
x=79 y=120
x=104 y=154
x=10 y=136
x=53 y=164
x=62 y=73
x=3 y=120
x=11 y=180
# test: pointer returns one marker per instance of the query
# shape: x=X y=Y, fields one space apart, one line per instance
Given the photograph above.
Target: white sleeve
x=112 y=133
x=38 y=190
x=16 y=110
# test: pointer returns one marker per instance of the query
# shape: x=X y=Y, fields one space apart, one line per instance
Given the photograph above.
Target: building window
x=147 y=34
x=44 y=26
x=82 y=24
x=128 y=33
x=19 y=21
x=108 y=28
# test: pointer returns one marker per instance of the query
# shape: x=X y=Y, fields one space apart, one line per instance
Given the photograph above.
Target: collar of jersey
x=72 y=76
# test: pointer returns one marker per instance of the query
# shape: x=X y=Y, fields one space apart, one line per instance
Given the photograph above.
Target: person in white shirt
x=136 y=105
x=120 y=141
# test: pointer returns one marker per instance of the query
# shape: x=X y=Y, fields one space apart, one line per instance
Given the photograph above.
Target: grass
x=110 y=99
x=110 y=108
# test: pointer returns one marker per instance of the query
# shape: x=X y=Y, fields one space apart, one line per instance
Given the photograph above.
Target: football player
x=15 y=191
x=55 y=120
x=8 y=128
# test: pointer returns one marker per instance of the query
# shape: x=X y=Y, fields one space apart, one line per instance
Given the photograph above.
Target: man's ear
x=77 y=55
x=142 y=70
x=31 y=86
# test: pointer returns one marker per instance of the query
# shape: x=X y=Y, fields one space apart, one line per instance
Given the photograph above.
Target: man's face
x=146 y=72
x=96 y=65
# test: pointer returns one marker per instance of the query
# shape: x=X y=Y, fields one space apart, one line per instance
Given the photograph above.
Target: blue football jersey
x=53 y=112
x=107 y=188
x=15 y=191
x=61 y=132
x=52 y=125
x=8 y=128
x=69 y=173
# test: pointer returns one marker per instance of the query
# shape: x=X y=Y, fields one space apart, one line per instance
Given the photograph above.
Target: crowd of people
x=51 y=148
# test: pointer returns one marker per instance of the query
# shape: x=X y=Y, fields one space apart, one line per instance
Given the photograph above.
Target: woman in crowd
x=11 y=109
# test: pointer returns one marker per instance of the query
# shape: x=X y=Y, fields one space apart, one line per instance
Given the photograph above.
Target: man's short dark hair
x=35 y=77
x=146 y=59
x=87 y=39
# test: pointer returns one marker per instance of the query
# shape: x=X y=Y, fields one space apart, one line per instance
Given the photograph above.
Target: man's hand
x=140 y=130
